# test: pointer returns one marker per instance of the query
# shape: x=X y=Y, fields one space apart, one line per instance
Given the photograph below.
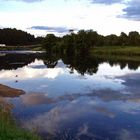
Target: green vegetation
x=84 y=50
x=88 y=45
x=8 y=128
x=14 y=37
x=121 y=51
x=90 y=41
x=82 y=42
x=114 y=58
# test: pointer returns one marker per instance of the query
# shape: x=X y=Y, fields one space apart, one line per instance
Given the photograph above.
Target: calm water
x=83 y=99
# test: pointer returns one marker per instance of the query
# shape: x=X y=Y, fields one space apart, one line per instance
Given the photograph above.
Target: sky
x=40 y=17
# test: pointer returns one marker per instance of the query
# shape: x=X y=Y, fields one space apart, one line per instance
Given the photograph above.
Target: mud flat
x=6 y=91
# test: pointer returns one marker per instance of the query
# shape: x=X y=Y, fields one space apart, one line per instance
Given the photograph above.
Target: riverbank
x=121 y=51
x=36 y=47
x=6 y=91
x=8 y=127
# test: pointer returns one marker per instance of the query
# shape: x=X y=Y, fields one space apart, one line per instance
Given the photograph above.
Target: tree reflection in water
x=83 y=64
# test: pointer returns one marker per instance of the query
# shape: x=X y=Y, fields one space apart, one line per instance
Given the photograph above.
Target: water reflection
x=91 y=118
x=16 y=60
x=69 y=98
x=62 y=115
x=53 y=81
x=82 y=64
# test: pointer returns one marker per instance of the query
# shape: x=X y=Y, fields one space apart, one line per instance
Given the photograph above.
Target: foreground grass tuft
x=8 y=128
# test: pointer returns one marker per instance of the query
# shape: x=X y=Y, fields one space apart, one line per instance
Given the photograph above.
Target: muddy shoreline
x=6 y=91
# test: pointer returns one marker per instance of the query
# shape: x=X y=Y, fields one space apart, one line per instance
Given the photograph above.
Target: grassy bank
x=8 y=127
x=121 y=51
x=118 y=58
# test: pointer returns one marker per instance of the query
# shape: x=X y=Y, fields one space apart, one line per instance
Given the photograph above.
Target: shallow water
x=66 y=100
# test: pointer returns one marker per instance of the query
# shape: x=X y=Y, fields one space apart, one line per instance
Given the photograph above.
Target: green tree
x=50 y=42
x=15 y=37
x=123 y=39
x=111 y=40
x=134 y=38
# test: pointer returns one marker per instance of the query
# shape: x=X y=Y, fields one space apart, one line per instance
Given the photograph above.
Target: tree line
x=84 y=40
x=79 y=42
x=10 y=36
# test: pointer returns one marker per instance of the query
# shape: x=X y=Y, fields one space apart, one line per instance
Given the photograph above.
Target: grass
x=8 y=128
x=118 y=57
x=121 y=51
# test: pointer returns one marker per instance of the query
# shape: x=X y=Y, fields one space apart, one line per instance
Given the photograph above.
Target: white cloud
x=79 y=14
x=32 y=73
x=107 y=2
x=51 y=121
x=132 y=10
x=125 y=134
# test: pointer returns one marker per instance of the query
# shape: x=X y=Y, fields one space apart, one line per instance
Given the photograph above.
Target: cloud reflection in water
x=90 y=100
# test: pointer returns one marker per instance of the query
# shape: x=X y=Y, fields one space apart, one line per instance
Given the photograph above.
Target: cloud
x=55 y=119
x=1 y=27
x=125 y=134
x=106 y=2
x=28 y=1
x=132 y=11
x=84 y=131
x=52 y=29
x=36 y=99
x=31 y=71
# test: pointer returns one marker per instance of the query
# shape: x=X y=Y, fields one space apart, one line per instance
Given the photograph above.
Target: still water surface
x=62 y=102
